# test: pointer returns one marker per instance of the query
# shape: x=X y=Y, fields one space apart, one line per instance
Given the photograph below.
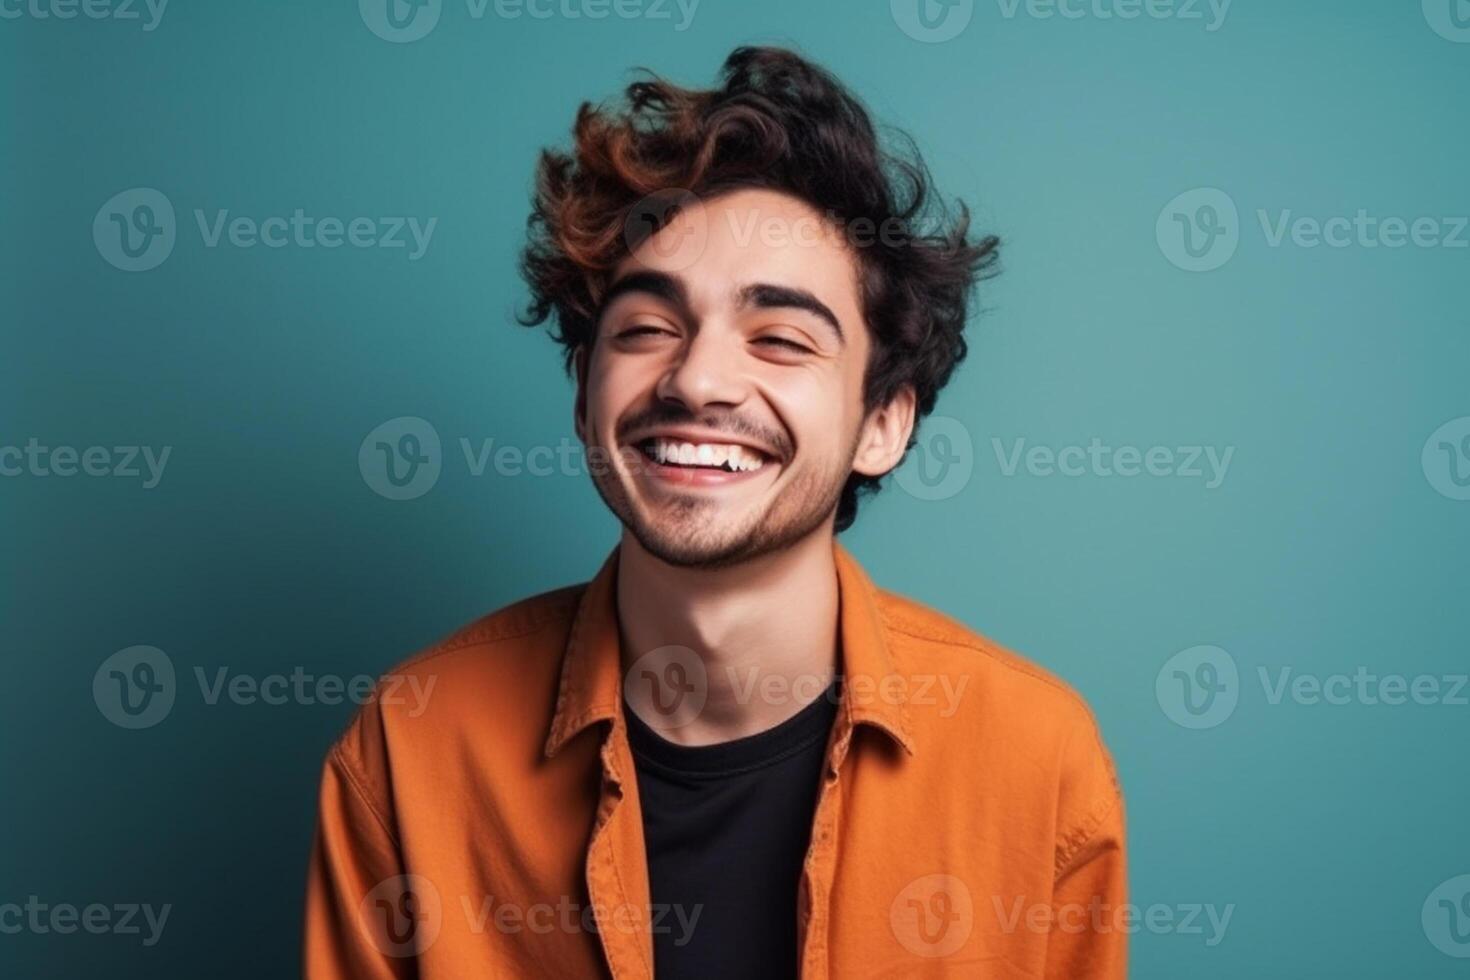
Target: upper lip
x=697 y=436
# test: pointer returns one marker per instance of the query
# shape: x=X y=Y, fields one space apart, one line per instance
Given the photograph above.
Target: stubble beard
x=685 y=531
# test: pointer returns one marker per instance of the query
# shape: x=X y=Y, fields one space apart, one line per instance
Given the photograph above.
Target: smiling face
x=723 y=392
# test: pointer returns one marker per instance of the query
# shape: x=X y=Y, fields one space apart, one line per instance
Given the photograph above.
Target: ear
x=579 y=406
x=885 y=434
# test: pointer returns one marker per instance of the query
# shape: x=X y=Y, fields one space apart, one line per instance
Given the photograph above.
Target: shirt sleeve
x=356 y=884
x=1088 y=939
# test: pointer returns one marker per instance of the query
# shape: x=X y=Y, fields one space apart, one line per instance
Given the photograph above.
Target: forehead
x=718 y=245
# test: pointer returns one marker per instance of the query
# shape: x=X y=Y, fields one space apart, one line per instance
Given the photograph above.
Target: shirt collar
x=590 y=690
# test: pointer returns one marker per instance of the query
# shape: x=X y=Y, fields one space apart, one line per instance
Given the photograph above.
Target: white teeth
x=729 y=456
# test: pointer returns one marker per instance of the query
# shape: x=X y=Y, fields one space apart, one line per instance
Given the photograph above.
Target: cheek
x=607 y=385
x=819 y=412
x=617 y=386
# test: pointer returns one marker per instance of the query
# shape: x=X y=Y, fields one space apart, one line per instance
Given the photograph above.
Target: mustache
x=726 y=422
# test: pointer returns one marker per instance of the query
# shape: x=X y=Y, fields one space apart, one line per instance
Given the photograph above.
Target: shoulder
x=924 y=640
x=980 y=702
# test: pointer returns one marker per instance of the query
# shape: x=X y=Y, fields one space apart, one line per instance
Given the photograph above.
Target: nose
x=704 y=373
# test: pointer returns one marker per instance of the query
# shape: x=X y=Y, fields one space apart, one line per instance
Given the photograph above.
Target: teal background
x=263 y=549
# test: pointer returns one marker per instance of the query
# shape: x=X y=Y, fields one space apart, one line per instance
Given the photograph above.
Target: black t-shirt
x=726 y=827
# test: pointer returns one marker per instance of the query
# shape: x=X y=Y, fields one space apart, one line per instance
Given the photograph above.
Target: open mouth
x=709 y=456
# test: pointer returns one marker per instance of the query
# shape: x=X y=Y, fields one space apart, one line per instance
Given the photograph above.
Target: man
x=729 y=754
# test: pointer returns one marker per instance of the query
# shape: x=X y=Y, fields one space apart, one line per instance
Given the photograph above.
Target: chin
x=695 y=550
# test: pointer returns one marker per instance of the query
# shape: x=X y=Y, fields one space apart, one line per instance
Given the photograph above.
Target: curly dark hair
x=776 y=121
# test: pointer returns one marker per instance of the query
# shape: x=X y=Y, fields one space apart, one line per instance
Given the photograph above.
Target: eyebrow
x=657 y=284
x=767 y=296
x=760 y=295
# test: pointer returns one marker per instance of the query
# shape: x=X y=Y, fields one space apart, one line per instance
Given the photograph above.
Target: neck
x=765 y=630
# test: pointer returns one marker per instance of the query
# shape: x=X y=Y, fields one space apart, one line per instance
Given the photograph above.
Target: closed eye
x=643 y=330
x=784 y=343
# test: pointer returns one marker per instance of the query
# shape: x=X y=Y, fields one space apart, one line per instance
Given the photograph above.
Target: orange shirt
x=969 y=821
